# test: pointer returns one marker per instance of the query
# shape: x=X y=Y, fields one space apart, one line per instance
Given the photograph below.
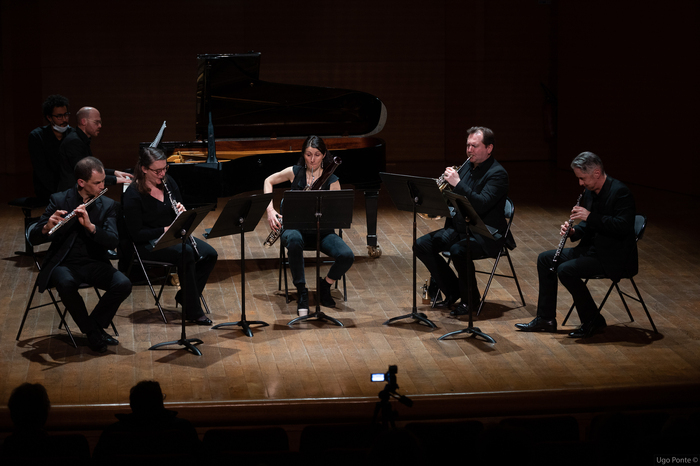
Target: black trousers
x=67 y=278
x=428 y=249
x=197 y=272
x=573 y=267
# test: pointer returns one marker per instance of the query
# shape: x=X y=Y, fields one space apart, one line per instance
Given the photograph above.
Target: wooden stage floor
x=317 y=372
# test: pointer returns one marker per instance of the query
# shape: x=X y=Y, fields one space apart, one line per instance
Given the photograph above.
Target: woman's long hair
x=147 y=156
x=317 y=143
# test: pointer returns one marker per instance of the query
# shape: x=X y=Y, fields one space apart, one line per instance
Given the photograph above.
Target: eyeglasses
x=97 y=122
x=159 y=171
x=61 y=116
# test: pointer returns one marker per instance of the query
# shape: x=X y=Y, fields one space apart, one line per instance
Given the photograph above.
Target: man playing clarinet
x=606 y=246
x=78 y=252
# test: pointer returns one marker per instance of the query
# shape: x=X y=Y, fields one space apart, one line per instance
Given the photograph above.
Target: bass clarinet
x=173 y=202
x=72 y=214
x=564 y=237
x=327 y=172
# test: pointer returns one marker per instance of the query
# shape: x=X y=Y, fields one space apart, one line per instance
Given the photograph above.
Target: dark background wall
x=551 y=78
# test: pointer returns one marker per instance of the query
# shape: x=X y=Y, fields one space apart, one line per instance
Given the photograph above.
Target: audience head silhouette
x=146 y=398
x=29 y=406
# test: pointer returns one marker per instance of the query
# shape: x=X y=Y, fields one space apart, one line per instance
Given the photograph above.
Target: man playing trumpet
x=607 y=247
x=78 y=252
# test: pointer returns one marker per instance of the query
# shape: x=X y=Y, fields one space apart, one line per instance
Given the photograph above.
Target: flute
x=564 y=237
x=72 y=214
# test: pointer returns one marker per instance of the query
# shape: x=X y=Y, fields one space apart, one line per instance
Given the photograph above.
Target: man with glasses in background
x=44 y=143
x=76 y=147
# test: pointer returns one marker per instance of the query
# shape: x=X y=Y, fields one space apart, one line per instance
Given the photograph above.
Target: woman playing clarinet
x=151 y=203
x=305 y=173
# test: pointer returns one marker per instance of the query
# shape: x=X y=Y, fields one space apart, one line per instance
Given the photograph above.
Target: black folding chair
x=54 y=301
x=640 y=224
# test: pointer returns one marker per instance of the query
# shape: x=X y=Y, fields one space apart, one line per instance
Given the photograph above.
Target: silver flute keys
x=72 y=214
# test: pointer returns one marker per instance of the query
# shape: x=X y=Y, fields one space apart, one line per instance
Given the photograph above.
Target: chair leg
x=345 y=290
x=641 y=301
x=488 y=285
x=283 y=264
x=515 y=277
x=622 y=298
x=26 y=311
x=63 y=318
x=568 y=314
x=150 y=285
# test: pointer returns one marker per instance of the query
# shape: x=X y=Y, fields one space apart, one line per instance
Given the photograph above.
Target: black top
x=72 y=243
x=146 y=217
x=486 y=188
x=43 y=152
x=299 y=182
x=75 y=147
x=608 y=233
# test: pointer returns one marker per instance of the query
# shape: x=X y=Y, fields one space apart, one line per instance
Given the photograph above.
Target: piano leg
x=371 y=203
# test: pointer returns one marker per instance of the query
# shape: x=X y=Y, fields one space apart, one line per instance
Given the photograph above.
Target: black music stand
x=179 y=232
x=306 y=210
x=240 y=215
x=418 y=195
x=475 y=224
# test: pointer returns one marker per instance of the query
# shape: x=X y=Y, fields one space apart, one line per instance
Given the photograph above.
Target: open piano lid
x=244 y=107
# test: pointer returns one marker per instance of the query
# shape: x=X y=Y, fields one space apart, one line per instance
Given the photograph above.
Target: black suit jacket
x=102 y=213
x=608 y=233
x=486 y=188
x=74 y=148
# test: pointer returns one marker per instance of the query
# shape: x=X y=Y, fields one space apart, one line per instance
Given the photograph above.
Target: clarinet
x=564 y=237
x=327 y=172
x=173 y=203
x=72 y=214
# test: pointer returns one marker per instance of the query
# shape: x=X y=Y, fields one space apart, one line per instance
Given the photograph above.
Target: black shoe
x=589 y=328
x=201 y=321
x=303 y=302
x=461 y=310
x=95 y=342
x=108 y=339
x=538 y=324
x=178 y=299
x=325 y=292
x=446 y=303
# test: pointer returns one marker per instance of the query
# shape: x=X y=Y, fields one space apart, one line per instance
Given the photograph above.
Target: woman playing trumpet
x=149 y=211
x=307 y=170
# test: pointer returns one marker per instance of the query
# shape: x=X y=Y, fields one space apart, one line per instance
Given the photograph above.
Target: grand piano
x=247 y=129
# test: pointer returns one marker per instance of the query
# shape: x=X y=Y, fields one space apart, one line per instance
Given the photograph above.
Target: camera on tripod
x=389 y=376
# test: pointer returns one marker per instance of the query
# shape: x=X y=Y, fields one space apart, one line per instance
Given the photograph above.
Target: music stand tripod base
x=188 y=343
x=474 y=331
x=419 y=316
x=318 y=315
x=244 y=324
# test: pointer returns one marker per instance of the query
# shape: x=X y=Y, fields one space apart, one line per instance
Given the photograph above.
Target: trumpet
x=442 y=186
x=72 y=214
x=327 y=172
x=564 y=237
x=173 y=203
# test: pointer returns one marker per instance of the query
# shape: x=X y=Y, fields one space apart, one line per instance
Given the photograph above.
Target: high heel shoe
x=201 y=321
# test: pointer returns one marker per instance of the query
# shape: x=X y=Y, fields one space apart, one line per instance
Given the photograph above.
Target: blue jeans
x=573 y=267
x=331 y=245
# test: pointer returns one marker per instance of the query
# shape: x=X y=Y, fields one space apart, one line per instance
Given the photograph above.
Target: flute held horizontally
x=72 y=214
